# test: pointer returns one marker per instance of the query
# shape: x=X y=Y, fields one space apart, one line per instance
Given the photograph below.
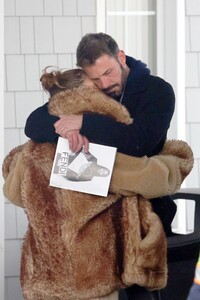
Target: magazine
x=83 y=172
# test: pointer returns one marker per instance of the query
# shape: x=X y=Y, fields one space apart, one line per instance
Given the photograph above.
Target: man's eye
x=107 y=72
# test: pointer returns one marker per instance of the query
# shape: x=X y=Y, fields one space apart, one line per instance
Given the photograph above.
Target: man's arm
x=141 y=138
x=149 y=128
x=40 y=125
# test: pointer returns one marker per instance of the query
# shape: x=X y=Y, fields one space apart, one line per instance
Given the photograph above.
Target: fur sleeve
x=154 y=176
x=88 y=99
x=13 y=170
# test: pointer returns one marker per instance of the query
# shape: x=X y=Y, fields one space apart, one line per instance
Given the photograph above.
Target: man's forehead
x=101 y=66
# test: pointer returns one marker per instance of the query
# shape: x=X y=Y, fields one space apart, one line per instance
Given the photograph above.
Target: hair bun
x=49 y=79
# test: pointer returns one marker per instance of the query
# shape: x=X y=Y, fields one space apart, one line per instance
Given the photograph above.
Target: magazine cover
x=83 y=172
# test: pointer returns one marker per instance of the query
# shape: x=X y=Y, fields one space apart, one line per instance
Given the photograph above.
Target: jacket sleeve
x=155 y=176
x=40 y=125
x=13 y=172
x=151 y=121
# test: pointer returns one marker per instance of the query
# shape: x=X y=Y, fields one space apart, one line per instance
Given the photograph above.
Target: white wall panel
x=88 y=24
x=9 y=110
x=12 y=40
x=9 y=7
x=47 y=60
x=29 y=7
x=14 y=289
x=43 y=35
x=199 y=65
x=15 y=73
x=195 y=139
x=86 y=7
x=69 y=7
x=26 y=102
x=187 y=34
x=5 y=77
x=67 y=34
x=65 y=61
x=195 y=33
x=52 y=7
x=192 y=179
x=10 y=227
x=22 y=137
x=11 y=139
x=192 y=74
x=12 y=257
x=193 y=105
x=27 y=35
x=32 y=72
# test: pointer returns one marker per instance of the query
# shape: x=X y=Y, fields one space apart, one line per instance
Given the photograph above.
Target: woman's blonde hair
x=57 y=80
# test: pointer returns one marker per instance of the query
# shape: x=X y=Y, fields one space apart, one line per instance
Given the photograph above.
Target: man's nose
x=104 y=82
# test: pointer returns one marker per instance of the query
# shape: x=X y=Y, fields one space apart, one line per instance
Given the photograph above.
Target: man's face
x=108 y=73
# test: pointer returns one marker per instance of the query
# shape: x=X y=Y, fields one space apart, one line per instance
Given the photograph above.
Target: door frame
x=2 y=150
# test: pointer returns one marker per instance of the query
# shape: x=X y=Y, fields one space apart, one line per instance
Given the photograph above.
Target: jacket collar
x=138 y=76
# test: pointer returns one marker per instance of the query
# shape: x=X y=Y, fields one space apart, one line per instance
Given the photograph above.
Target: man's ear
x=121 y=57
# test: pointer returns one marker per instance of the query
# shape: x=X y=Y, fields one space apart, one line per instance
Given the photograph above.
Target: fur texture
x=81 y=246
x=88 y=99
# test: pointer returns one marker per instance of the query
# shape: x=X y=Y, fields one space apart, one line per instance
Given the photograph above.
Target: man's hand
x=68 y=123
x=77 y=141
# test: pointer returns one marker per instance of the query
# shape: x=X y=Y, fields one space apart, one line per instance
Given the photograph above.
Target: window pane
x=133 y=24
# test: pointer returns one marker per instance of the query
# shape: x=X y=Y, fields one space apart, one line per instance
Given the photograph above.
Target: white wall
x=37 y=34
x=193 y=86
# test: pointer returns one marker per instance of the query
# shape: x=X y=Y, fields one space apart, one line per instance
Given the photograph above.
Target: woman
x=82 y=246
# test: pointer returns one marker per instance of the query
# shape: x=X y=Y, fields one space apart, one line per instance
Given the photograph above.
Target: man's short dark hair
x=94 y=45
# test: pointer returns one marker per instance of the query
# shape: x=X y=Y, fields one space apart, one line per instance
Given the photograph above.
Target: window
x=133 y=24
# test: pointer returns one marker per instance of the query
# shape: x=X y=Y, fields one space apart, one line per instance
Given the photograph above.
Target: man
x=149 y=99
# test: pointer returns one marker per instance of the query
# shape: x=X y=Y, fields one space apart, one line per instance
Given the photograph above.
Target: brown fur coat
x=81 y=246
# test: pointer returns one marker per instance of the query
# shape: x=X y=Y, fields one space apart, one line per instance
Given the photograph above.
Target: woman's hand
x=77 y=141
x=68 y=127
x=68 y=123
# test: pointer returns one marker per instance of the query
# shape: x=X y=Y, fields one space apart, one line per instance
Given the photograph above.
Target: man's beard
x=109 y=91
x=115 y=94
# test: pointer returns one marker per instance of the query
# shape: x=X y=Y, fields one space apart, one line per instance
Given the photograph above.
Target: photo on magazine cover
x=85 y=172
